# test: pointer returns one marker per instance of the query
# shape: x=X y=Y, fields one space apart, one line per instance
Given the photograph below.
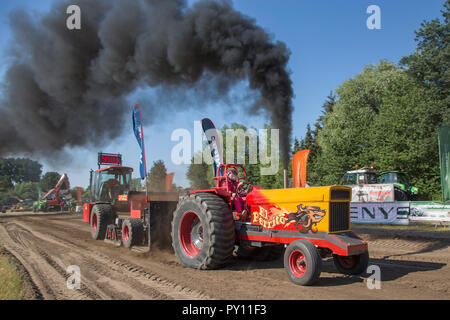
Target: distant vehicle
x=404 y=190
x=56 y=199
x=360 y=176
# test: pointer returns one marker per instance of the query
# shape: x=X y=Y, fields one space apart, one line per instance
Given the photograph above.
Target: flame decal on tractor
x=306 y=217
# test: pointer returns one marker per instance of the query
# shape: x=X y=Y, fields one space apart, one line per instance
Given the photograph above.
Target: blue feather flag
x=139 y=133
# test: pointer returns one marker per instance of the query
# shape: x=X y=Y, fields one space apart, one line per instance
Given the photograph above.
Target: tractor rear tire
x=400 y=195
x=132 y=232
x=203 y=231
x=302 y=262
x=101 y=217
x=352 y=265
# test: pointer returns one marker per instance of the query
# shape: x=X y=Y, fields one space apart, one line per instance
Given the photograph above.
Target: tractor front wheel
x=352 y=265
x=302 y=263
x=132 y=232
x=101 y=216
x=203 y=232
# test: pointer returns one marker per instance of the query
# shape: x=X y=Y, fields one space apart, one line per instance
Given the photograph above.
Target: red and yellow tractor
x=309 y=223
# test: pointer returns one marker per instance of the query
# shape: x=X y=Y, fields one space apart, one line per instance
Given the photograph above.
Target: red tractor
x=309 y=223
x=119 y=214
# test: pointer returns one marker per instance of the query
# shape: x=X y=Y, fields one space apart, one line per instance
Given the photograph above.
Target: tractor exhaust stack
x=285 y=178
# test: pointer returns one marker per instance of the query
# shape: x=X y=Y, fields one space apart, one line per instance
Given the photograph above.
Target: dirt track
x=411 y=268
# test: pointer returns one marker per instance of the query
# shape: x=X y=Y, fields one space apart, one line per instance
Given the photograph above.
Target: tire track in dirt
x=411 y=269
x=45 y=270
x=141 y=284
x=136 y=274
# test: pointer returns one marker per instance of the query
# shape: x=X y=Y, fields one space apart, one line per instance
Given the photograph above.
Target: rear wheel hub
x=191 y=234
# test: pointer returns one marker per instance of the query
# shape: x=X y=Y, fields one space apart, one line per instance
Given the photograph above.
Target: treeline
x=388 y=116
x=21 y=179
x=156 y=179
x=201 y=175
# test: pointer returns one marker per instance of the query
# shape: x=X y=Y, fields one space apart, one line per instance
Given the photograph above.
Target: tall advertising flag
x=139 y=133
x=214 y=144
x=444 y=161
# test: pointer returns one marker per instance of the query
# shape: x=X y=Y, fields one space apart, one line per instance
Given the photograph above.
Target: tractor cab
x=231 y=179
x=108 y=183
x=361 y=176
x=225 y=183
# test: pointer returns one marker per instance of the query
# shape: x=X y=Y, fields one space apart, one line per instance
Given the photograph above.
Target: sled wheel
x=132 y=232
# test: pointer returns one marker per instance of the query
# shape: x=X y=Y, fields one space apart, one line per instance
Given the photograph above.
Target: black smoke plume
x=68 y=88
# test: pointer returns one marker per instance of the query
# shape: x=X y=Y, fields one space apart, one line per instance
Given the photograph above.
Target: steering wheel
x=243 y=188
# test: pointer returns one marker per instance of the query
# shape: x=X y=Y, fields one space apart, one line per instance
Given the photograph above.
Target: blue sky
x=329 y=42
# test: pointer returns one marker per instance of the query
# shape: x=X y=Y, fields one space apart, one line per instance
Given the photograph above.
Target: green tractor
x=404 y=191
x=40 y=206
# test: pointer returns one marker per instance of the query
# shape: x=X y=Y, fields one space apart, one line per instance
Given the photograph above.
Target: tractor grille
x=340 y=195
x=339 y=216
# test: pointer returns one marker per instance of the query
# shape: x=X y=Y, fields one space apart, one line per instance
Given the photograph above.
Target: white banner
x=430 y=211
x=373 y=193
x=380 y=212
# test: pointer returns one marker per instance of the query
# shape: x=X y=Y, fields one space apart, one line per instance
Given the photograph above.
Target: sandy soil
x=413 y=266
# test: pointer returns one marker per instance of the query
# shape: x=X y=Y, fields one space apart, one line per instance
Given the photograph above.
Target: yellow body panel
x=279 y=209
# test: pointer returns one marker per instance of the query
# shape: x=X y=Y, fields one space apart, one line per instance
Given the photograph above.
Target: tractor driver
x=111 y=185
x=238 y=193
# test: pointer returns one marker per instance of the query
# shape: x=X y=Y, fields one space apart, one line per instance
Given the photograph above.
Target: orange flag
x=299 y=166
x=79 y=192
x=169 y=181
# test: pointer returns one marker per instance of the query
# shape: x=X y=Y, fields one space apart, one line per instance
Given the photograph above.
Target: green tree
x=85 y=196
x=136 y=184
x=296 y=148
x=199 y=175
x=310 y=141
x=404 y=134
x=5 y=184
x=327 y=108
x=20 y=169
x=157 y=177
x=49 y=180
x=383 y=117
x=26 y=190
x=430 y=63
x=346 y=131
